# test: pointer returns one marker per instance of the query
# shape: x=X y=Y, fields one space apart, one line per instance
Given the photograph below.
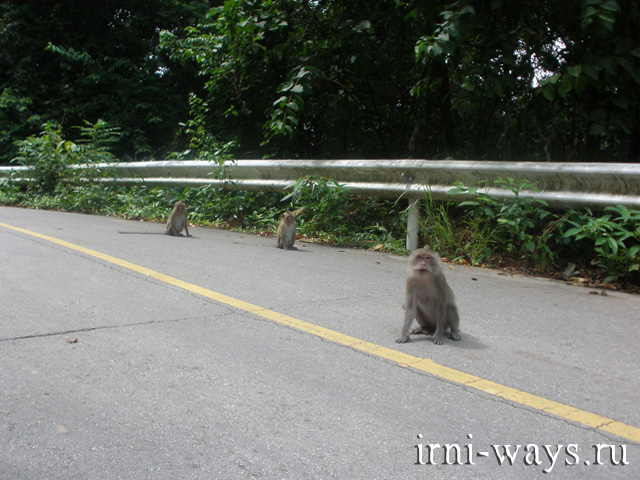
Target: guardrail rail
x=561 y=185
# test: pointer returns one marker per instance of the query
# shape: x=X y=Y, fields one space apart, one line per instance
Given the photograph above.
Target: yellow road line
x=423 y=364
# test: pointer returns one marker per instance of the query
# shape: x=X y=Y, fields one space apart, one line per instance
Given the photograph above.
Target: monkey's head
x=288 y=217
x=424 y=260
x=179 y=206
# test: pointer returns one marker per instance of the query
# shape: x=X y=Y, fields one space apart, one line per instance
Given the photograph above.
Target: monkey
x=178 y=220
x=418 y=142
x=236 y=220
x=286 y=233
x=429 y=299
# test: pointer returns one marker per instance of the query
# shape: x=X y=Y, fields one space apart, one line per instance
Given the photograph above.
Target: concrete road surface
x=145 y=356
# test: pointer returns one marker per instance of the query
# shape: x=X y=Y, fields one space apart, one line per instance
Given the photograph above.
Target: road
x=221 y=356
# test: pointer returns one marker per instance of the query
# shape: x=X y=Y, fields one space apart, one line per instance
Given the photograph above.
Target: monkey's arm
x=409 y=315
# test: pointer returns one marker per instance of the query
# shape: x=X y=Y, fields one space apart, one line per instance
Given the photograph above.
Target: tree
x=305 y=79
x=74 y=61
x=543 y=79
x=529 y=80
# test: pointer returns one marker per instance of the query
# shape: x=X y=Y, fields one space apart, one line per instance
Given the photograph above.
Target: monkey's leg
x=454 y=321
x=439 y=334
x=438 y=339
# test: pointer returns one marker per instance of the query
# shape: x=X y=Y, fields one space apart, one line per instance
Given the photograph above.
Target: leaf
x=608 y=65
x=434 y=50
x=286 y=86
x=565 y=86
x=591 y=71
x=621 y=102
x=489 y=213
x=601 y=240
x=607 y=19
x=611 y=278
x=571 y=232
x=302 y=73
x=630 y=68
x=575 y=71
x=611 y=6
x=581 y=84
x=596 y=129
x=549 y=92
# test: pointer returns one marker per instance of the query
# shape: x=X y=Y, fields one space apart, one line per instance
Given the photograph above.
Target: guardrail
x=561 y=185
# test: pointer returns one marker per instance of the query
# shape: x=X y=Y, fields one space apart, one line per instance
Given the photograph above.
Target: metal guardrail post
x=413 y=223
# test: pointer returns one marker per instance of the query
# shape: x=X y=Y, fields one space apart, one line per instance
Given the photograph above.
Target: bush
x=49 y=157
x=606 y=247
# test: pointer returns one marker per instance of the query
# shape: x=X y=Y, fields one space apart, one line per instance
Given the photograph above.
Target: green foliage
x=546 y=239
x=202 y=144
x=544 y=83
x=524 y=80
x=287 y=108
x=301 y=80
x=328 y=204
x=50 y=156
x=520 y=224
x=70 y=62
x=327 y=199
x=96 y=141
x=332 y=214
x=614 y=239
x=441 y=230
x=453 y=235
x=15 y=118
x=448 y=35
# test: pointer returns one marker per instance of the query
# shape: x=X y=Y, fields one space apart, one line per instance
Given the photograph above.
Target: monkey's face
x=180 y=207
x=423 y=262
x=288 y=217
